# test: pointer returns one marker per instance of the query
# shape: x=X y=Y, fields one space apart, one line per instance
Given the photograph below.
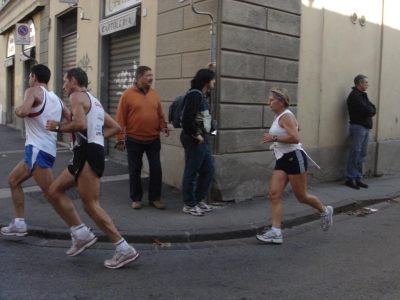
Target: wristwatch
x=274 y=138
x=58 y=128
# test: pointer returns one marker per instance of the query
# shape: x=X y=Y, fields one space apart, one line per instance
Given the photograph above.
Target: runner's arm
x=29 y=100
x=79 y=113
x=111 y=127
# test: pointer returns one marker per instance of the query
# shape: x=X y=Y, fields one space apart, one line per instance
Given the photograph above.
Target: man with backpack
x=195 y=138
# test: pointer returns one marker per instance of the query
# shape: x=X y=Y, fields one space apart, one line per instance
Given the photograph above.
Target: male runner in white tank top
x=90 y=125
x=40 y=146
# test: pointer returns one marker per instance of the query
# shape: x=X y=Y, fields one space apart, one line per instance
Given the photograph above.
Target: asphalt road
x=357 y=259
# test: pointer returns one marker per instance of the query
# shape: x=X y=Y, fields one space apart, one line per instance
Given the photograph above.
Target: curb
x=217 y=234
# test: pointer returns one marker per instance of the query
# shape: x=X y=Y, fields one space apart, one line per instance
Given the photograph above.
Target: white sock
x=19 y=222
x=277 y=230
x=80 y=231
x=324 y=213
x=123 y=246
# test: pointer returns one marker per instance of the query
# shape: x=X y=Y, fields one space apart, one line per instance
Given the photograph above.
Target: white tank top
x=35 y=123
x=282 y=148
x=94 y=123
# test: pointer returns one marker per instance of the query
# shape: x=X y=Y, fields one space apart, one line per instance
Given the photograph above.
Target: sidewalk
x=227 y=221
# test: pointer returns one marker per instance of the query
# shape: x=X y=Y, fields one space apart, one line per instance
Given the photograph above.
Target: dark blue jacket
x=361 y=110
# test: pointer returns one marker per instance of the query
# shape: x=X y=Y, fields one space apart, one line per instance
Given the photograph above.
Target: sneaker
x=270 y=237
x=120 y=259
x=78 y=245
x=204 y=207
x=14 y=230
x=157 y=204
x=194 y=211
x=327 y=220
x=136 y=205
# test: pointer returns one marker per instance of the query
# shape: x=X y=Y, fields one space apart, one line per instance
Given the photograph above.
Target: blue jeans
x=358 y=151
x=199 y=170
x=135 y=150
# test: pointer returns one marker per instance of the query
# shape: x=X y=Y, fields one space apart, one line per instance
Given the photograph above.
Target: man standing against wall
x=361 y=111
x=40 y=146
x=141 y=119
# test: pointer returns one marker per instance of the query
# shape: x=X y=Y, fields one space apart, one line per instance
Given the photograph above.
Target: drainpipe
x=212 y=58
x=376 y=174
x=212 y=29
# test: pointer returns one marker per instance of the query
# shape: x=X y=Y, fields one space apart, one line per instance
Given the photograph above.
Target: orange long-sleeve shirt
x=140 y=115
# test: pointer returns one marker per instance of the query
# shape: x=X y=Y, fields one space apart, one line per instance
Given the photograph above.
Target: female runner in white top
x=291 y=166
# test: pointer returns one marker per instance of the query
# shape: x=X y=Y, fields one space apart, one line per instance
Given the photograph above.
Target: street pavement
x=228 y=220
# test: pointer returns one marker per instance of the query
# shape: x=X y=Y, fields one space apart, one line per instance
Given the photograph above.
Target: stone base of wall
x=387 y=160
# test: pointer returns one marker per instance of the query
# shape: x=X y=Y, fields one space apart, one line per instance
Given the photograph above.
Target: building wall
x=183 y=47
x=18 y=12
x=257 y=48
x=333 y=51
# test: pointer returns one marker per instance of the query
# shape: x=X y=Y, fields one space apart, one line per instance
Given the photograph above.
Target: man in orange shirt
x=141 y=119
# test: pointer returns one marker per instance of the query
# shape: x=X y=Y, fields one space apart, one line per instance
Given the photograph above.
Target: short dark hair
x=359 y=78
x=202 y=77
x=42 y=73
x=79 y=75
x=141 y=70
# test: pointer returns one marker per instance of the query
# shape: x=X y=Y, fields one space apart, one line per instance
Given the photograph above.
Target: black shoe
x=362 y=184
x=352 y=184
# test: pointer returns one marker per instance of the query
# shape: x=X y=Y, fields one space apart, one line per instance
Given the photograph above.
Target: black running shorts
x=292 y=163
x=91 y=153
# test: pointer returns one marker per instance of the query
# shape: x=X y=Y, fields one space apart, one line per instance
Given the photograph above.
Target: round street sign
x=23 y=30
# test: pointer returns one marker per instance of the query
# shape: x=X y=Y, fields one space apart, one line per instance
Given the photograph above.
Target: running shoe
x=14 y=230
x=79 y=245
x=270 y=237
x=327 y=220
x=194 y=211
x=120 y=259
x=204 y=207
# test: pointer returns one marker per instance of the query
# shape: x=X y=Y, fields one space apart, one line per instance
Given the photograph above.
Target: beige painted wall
x=148 y=35
x=87 y=43
x=389 y=108
x=332 y=52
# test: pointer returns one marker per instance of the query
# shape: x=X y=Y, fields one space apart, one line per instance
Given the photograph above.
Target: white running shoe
x=270 y=237
x=194 y=211
x=14 y=230
x=204 y=207
x=79 y=245
x=120 y=259
x=327 y=220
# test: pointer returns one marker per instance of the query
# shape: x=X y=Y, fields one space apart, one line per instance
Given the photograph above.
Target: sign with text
x=22 y=36
x=119 y=22
x=11 y=45
x=69 y=1
x=32 y=36
x=115 y=6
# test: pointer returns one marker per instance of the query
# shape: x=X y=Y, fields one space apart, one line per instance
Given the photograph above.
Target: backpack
x=176 y=109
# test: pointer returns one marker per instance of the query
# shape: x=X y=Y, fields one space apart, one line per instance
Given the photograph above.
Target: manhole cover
x=73 y=193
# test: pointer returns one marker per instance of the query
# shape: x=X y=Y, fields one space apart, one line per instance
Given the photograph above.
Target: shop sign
x=69 y=1
x=32 y=36
x=11 y=45
x=119 y=22
x=8 y=62
x=115 y=6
